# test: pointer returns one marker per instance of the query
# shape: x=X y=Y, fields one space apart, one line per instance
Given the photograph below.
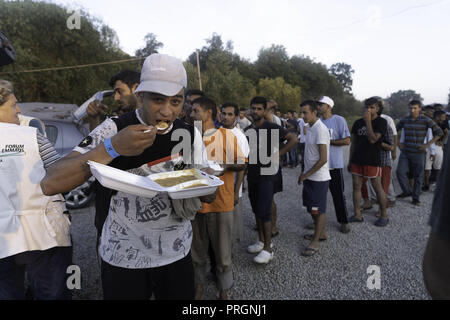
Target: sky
x=391 y=44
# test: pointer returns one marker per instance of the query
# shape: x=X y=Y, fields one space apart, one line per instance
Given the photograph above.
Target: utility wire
x=73 y=67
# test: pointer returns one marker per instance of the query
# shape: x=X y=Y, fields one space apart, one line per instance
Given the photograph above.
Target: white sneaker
x=255 y=248
x=263 y=257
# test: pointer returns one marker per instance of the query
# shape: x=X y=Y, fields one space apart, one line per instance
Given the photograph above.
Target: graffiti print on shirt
x=117 y=229
x=146 y=241
x=150 y=210
x=178 y=244
x=119 y=201
x=143 y=262
x=132 y=253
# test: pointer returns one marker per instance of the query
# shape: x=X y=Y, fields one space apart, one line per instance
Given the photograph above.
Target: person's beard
x=128 y=103
x=256 y=117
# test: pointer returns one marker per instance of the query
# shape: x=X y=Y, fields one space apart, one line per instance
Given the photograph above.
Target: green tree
x=287 y=96
x=343 y=74
x=313 y=78
x=151 y=46
x=221 y=77
x=347 y=106
x=38 y=31
x=397 y=102
x=223 y=83
x=274 y=62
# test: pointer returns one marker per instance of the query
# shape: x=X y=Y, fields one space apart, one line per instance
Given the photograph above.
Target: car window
x=52 y=133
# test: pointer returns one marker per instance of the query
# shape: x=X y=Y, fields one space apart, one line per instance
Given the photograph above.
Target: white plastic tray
x=116 y=179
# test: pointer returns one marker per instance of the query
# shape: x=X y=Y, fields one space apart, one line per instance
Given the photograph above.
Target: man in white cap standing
x=340 y=137
x=145 y=243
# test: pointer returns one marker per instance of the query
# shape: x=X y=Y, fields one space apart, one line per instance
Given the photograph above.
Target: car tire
x=80 y=197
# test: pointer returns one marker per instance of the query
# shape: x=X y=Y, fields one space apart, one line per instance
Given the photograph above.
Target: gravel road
x=337 y=271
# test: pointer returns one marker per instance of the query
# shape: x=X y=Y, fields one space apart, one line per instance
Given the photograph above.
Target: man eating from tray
x=145 y=243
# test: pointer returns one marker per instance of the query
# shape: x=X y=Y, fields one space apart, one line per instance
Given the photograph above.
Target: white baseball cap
x=327 y=100
x=162 y=74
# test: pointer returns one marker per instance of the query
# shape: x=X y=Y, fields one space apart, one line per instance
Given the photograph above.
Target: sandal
x=355 y=219
x=366 y=208
x=309 y=252
x=311 y=236
x=382 y=222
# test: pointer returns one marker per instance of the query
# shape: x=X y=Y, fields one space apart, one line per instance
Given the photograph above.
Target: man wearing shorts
x=316 y=176
x=340 y=137
x=435 y=161
x=262 y=173
x=365 y=157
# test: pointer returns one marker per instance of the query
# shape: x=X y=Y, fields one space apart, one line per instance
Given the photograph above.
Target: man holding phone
x=124 y=84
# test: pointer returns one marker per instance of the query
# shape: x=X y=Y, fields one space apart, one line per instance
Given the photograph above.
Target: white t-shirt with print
x=391 y=123
x=315 y=135
x=143 y=232
x=243 y=144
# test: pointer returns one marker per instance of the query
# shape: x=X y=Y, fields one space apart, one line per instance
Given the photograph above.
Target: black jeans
x=174 y=281
x=45 y=271
x=301 y=153
x=337 y=191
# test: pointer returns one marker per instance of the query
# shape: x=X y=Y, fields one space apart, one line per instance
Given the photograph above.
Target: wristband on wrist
x=110 y=149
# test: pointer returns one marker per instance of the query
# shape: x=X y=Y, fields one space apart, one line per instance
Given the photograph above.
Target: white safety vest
x=29 y=220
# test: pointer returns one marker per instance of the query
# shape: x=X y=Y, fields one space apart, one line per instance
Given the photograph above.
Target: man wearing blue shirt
x=340 y=137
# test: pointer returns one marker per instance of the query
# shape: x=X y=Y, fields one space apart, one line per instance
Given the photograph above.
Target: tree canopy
x=397 y=102
x=151 y=46
x=39 y=32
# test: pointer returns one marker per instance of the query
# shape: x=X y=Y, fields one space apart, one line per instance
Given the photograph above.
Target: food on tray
x=162 y=125
x=196 y=185
x=173 y=181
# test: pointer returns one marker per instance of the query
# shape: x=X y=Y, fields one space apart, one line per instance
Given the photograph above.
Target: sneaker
x=416 y=202
x=391 y=203
x=426 y=188
x=255 y=248
x=263 y=257
x=404 y=195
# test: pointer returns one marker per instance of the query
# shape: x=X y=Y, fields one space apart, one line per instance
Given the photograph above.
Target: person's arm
x=444 y=138
x=394 y=148
x=352 y=143
x=95 y=114
x=388 y=143
x=291 y=142
x=387 y=147
x=73 y=170
x=372 y=136
x=322 y=160
x=343 y=134
x=340 y=142
x=233 y=167
x=238 y=184
x=437 y=134
x=429 y=143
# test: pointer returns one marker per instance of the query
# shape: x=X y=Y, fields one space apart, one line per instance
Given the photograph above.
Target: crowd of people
x=160 y=247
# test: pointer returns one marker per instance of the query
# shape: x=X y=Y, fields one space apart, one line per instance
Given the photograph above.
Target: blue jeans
x=45 y=271
x=416 y=163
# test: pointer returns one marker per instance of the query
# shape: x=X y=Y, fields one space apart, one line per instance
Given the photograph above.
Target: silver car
x=64 y=133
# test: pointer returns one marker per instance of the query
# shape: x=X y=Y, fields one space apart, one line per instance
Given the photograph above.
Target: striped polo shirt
x=416 y=131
